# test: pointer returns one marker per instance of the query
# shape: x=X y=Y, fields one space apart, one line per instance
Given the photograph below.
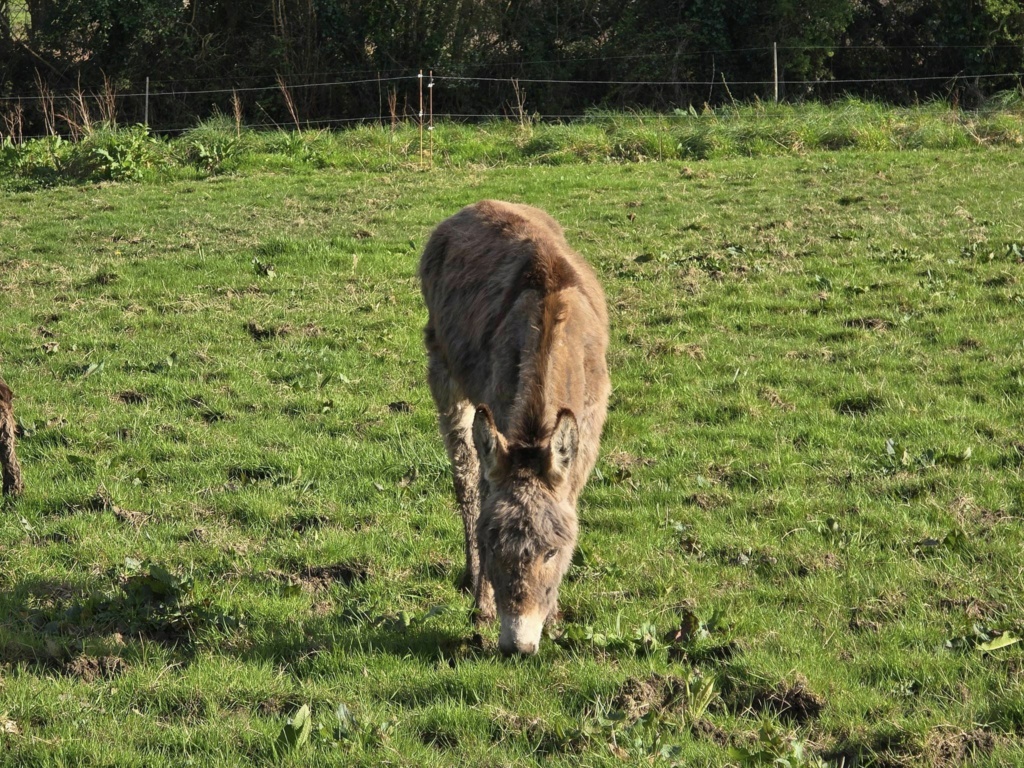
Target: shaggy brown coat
x=10 y=469
x=516 y=341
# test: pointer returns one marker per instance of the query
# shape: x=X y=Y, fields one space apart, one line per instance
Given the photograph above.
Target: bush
x=115 y=155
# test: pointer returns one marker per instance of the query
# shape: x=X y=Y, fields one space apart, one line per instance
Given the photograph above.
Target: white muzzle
x=521 y=634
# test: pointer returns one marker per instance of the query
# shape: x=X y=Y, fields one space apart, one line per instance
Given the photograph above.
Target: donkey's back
x=488 y=274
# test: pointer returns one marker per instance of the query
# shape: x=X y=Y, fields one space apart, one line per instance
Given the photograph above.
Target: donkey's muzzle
x=520 y=635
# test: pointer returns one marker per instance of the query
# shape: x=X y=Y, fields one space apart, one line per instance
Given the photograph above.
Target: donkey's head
x=527 y=527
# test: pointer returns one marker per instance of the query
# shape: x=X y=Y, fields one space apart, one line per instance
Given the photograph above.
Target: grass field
x=803 y=541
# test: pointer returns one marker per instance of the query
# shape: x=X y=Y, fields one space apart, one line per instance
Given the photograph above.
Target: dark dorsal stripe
x=532 y=428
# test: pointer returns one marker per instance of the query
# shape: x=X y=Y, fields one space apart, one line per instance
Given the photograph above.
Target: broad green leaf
x=1005 y=639
x=295 y=732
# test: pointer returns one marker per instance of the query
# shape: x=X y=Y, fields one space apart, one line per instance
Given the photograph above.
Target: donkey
x=516 y=338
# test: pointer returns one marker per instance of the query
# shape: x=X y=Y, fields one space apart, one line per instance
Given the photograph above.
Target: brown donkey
x=516 y=340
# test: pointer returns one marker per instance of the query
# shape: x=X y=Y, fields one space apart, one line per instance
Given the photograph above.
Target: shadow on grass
x=48 y=622
x=295 y=643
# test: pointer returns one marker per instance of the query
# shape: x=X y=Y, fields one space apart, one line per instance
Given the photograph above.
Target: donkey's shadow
x=431 y=643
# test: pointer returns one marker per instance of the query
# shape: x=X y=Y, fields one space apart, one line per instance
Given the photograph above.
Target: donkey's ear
x=565 y=442
x=490 y=445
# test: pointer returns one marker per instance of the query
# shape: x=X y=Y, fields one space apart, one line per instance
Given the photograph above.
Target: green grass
x=230 y=513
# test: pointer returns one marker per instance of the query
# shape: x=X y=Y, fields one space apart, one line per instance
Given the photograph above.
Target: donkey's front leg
x=484 y=610
x=457 y=426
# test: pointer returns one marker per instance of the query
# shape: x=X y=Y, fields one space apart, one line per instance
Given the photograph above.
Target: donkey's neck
x=543 y=369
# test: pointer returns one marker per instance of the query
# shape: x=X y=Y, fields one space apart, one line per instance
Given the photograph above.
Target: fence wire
x=13 y=107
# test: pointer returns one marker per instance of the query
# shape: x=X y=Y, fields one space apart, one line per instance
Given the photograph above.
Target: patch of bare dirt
x=637 y=697
x=129 y=516
x=706 y=501
x=825 y=354
x=690 y=545
x=693 y=351
x=659 y=693
x=972 y=608
x=774 y=399
x=868 y=323
x=130 y=397
x=794 y=702
x=762 y=560
x=304 y=523
x=705 y=654
x=266 y=332
x=951 y=747
x=439 y=738
x=624 y=460
x=322 y=608
x=829 y=561
x=46 y=593
x=319 y=578
x=862 y=622
x=546 y=740
x=101 y=501
x=873 y=614
x=887 y=749
x=969 y=515
x=102 y=277
x=91 y=668
x=708 y=731
x=271 y=707
x=967 y=343
x=665 y=348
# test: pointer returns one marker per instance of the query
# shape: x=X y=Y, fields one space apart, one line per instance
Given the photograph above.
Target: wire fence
x=177 y=92
x=317 y=99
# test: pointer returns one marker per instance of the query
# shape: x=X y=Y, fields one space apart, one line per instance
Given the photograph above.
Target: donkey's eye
x=550 y=554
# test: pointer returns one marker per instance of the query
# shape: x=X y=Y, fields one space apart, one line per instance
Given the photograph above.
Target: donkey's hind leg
x=455 y=419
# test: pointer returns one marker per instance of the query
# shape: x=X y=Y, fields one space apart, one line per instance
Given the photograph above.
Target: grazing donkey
x=516 y=340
